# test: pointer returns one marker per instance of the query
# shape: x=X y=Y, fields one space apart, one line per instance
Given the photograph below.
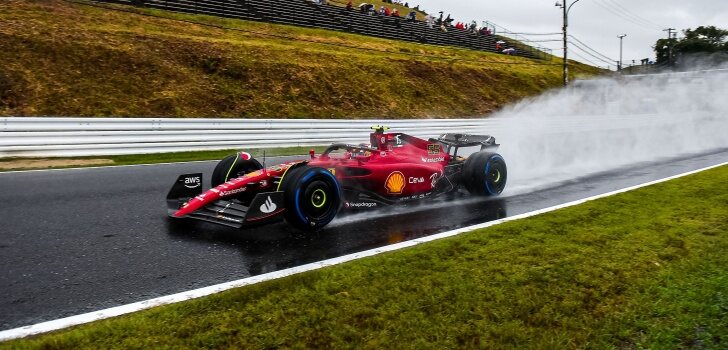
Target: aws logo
x=395 y=183
x=193 y=181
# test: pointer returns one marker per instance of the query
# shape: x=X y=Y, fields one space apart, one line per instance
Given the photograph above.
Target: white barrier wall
x=55 y=137
x=64 y=137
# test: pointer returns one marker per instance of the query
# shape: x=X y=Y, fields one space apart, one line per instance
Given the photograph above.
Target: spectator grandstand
x=308 y=13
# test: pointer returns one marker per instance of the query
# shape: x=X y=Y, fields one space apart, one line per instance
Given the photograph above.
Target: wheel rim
x=494 y=176
x=316 y=201
x=318 y=198
x=498 y=177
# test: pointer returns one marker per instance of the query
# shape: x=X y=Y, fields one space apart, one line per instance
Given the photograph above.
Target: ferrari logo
x=395 y=183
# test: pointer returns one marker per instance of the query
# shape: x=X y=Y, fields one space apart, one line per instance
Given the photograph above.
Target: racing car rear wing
x=467 y=140
x=453 y=142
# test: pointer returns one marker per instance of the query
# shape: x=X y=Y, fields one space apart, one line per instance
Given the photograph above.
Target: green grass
x=208 y=155
x=154 y=158
x=67 y=59
x=646 y=269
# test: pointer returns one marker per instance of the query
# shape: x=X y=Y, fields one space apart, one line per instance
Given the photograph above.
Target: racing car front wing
x=264 y=208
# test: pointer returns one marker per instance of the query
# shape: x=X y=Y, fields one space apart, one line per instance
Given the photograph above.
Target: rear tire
x=232 y=166
x=312 y=197
x=485 y=174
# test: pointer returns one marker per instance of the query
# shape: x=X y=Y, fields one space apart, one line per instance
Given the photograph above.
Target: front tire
x=232 y=166
x=312 y=197
x=485 y=174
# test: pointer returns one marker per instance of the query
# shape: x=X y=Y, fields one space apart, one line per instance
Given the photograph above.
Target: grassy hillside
x=62 y=58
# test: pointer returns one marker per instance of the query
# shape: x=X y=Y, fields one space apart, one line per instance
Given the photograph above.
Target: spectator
x=349 y=6
x=498 y=46
x=363 y=7
x=387 y=12
x=442 y=28
x=509 y=51
x=381 y=11
x=406 y=4
x=395 y=13
x=411 y=17
x=429 y=20
x=473 y=27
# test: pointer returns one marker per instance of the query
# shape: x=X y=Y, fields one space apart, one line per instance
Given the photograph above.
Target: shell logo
x=395 y=183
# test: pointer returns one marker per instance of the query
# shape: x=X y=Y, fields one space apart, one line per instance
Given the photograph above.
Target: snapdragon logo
x=361 y=205
x=268 y=206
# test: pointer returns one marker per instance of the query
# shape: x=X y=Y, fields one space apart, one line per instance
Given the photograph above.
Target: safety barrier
x=63 y=137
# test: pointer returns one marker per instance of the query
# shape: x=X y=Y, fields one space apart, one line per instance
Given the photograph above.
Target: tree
x=704 y=39
x=662 y=50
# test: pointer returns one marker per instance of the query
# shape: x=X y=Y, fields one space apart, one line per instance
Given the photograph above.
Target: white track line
x=201 y=292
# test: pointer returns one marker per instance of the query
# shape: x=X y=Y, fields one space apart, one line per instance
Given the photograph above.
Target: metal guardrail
x=63 y=137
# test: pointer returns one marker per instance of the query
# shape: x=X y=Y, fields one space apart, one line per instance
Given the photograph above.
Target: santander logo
x=268 y=206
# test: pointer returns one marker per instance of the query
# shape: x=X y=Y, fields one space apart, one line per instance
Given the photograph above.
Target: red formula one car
x=394 y=168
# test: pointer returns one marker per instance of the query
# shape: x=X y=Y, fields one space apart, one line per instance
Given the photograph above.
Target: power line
x=620 y=11
x=622 y=15
x=543 y=41
x=603 y=56
x=592 y=55
x=632 y=14
x=588 y=47
x=586 y=59
x=532 y=33
x=589 y=53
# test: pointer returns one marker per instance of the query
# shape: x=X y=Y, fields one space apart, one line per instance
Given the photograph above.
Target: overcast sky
x=595 y=22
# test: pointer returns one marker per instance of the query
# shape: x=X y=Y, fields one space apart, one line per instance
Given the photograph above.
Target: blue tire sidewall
x=298 y=195
x=487 y=169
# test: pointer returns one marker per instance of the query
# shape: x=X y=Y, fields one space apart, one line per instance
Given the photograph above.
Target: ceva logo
x=268 y=206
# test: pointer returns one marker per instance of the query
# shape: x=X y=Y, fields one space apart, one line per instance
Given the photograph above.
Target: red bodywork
x=396 y=167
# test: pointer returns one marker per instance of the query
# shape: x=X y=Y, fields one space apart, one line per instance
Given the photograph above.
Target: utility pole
x=669 y=45
x=564 y=28
x=621 y=36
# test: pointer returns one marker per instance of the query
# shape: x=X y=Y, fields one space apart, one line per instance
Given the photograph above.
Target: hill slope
x=71 y=59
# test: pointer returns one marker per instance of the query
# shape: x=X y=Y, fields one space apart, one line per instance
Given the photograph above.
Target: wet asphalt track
x=80 y=240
